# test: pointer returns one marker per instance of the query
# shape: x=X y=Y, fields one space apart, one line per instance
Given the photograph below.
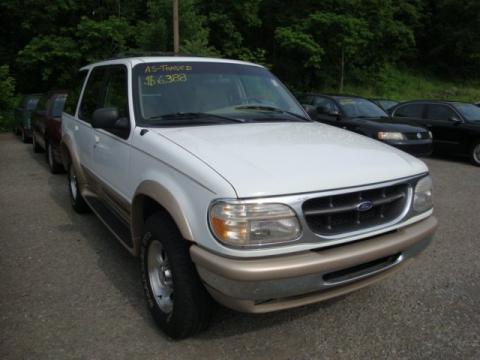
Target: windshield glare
x=205 y=87
x=469 y=111
x=357 y=107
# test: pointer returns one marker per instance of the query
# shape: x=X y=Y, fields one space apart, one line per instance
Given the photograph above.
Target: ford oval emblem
x=364 y=206
x=419 y=135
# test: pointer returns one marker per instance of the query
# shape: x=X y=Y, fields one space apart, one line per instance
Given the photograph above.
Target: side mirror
x=311 y=111
x=105 y=118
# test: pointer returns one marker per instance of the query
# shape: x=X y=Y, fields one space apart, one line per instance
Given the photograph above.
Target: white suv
x=214 y=175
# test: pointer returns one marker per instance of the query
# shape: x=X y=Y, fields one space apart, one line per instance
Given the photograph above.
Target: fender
x=164 y=198
x=68 y=155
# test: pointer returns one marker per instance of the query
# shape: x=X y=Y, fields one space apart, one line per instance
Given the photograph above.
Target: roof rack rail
x=142 y=53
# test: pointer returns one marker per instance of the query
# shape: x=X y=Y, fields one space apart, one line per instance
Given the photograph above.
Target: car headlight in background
x=244 y=224
x=430 y=134
x=423 y=195
x=383 y=135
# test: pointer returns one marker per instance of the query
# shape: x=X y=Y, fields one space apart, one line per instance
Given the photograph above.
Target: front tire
x=76 y=198
x=475 y=154
x=54 y=166
x=175 y=296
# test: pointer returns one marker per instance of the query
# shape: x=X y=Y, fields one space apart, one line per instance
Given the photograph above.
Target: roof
x=334 y=95
x=435 y=101
x=166 y=59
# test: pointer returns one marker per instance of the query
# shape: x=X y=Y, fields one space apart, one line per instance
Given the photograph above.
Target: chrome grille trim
x=338 y=216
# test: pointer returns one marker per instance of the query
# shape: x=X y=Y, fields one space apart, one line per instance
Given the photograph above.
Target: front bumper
x=281 y=282
x=414 y=147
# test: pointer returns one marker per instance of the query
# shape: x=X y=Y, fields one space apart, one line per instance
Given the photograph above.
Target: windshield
x=387 y=104
x=469 y=111
x=358 y=107
x=178 y=92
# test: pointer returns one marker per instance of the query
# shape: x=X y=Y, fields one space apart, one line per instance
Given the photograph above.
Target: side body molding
x=161 y=195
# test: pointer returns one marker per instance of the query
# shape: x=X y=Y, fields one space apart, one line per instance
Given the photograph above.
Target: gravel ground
x=69 y=290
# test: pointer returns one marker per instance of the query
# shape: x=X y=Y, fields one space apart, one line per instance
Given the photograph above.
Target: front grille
x=417 y=135
x=341 y=214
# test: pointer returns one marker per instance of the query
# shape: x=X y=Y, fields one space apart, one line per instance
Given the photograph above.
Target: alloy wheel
x=160 y=276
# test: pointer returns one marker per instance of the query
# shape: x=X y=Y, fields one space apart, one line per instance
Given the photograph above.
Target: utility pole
x=176 y=32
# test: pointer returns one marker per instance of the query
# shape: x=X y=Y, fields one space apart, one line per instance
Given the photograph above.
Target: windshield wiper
x=193 y=116
x=270 y=108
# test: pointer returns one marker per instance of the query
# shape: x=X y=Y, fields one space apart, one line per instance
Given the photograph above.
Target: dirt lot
x=68 y=289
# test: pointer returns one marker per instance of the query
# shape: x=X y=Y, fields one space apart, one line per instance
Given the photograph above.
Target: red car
x=47 y=128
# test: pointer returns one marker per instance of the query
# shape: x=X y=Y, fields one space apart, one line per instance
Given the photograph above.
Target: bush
x=7 y=98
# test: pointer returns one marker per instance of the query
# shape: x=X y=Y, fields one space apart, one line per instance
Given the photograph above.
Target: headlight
x=243 y=224
x=391 y=136
x=430 y=134
x=423 y=196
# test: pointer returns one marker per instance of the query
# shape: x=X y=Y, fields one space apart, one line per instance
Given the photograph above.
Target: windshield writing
x=210 y=88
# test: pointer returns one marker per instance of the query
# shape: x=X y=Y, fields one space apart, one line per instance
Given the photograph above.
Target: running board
x=117 y=226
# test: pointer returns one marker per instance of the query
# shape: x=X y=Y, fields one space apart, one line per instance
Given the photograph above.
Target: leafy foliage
x=309 y=44
x=7 y=97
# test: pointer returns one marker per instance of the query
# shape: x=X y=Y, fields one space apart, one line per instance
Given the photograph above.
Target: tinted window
x=440 y=112
x=30 y=103
x=58 y=104
x=74 y=93
x=327 y=105
x=116 y=94
x=304 y=99
x=386 y=104
x=469 y=111
x=93 y=95
x=42 y=103
x=411 y=110
x=358 y=107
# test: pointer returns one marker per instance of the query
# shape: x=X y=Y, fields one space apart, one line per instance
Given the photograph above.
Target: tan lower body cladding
x=281 y=282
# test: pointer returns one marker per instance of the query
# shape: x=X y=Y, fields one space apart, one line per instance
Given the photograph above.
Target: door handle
x=76 y=127
x=97 y=139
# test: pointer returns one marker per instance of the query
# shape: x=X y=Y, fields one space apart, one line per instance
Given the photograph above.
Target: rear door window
x=410 y=110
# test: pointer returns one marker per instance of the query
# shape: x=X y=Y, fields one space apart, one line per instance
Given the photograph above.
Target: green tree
x=7 y=97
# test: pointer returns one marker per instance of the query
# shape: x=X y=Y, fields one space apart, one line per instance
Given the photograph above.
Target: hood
x=265 y=159
x=383 y=124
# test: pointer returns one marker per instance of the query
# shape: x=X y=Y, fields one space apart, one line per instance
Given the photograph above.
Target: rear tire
x=36 y=148
x=76 y=198
x=54 y=166
x=475 y=154
x=175 y=295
